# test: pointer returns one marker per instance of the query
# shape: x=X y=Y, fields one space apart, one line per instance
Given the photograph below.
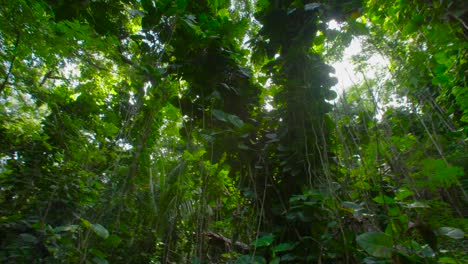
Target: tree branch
x=5 y=82
x=46 y=77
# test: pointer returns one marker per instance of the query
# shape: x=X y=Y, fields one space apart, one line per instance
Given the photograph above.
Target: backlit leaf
x=452 y=232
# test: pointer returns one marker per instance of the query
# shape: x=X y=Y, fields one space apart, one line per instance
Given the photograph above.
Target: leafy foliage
x=208 y=132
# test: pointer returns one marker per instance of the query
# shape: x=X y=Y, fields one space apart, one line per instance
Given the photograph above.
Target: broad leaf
x=283 y=247
x=377 y=244
x=235 y=120
x=384 y=199
x=100 y=230
x=28 y=238
x=452 y=232
x=263 y=241
x=220 y=115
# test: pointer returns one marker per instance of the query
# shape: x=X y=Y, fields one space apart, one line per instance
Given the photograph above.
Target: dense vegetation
x=177 y=131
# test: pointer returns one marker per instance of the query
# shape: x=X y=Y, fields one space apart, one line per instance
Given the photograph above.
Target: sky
x=344 y=69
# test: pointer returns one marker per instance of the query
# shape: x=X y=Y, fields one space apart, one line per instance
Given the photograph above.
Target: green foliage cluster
x=177 y=131
x=402 y=136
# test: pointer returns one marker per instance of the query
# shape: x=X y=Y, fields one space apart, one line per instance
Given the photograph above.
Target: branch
x=5 y=82
x=124 y=59
x=222 y=242
x=46 y=77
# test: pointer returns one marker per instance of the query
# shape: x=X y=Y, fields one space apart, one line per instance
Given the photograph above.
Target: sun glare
x=345 y=69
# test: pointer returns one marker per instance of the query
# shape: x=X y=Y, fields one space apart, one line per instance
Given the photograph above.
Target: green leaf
x=394 y=211
x=288 y=257
x=28 y=238
x=451 y=232
x=384 y=199
x=100 y=230
x=275 y=260
x=377 y=244
x=440 y=174
x=319 y=40
x=220 y=115
x=85 y=222
x=112 y=241
x=244 y=259
x=331 y=95
x=66 y=228
x=441 y=58
x=311 y=6
x=247 y=259
x=262 y=4
x=297 y=197
x=245 y=72
x=191 y=21
x=283 y=247
x=225 y=117
x=223 y=13
x=259 y=260
x=282 y=148
x=354 y=206
x=447 y=260
x=235 y=120
x=98 y=253
x=372 y=260
x=243 y=146
x=441 y=79
x=99 y=260
x=263 y=241
x=403 y=193
x=417 y=204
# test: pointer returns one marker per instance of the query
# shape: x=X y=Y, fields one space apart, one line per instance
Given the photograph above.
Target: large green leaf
x=235 y=120
x=100 y=230
x=28 y=238
x=263 y=241
x=452 y=232
x=283 y=247
x=225 y=117
x=384 y=199
x=377 y=244
x=220 y=115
